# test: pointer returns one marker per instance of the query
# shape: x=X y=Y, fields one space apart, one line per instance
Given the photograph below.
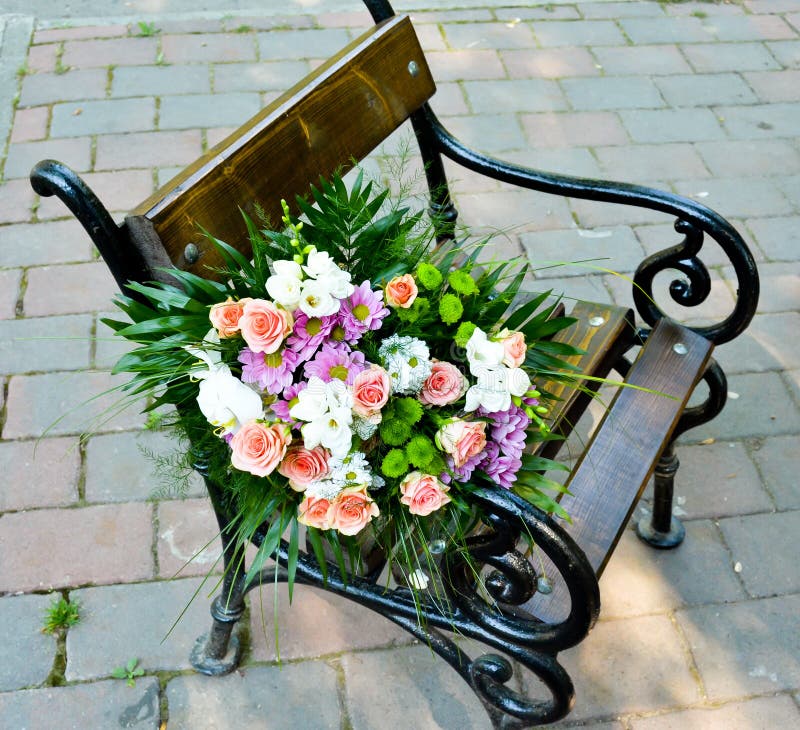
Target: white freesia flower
x=327 y=410
x=482 y=352
x=490 y=392
x=518 y=382
x=320 y=266
x=317 y=300
x=285 y=286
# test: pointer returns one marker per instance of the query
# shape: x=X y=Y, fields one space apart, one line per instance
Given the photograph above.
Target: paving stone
x=55 y=548
x=193 y=111
x=449 y=100
x=168 y=173
x=102 y=117
x=276 y=75
x=53 y=35
x=612 y=93
x=96 y=705
x=44 y=344
x=765 y=546
x=644 y=162
x=9 y=291
x=705 y=89
x=749 y=158
x=614 y=672
x=615 y=10
x=745 y=648
x=592 y=214
x=459 y=65
x=42 y=58
x=787 y=53
x=68 y=288
x=666 y=30
x=730 y=197
x=488 y=132
x=30 y=124
x=764 y=346
x=671 y=125
x=790 y=186
x=780 y=286
x=518 y=95
x=642 y=59
x=545 y=12
x=316 y=623
x=15 y=201
x=26 y=654
x=119 y=470
x=777 y=237
x=188 y=538
x=29 y=244
x=195 y=25
x=418 y=689
x=23 y=156
x=769 y=6
x=118 y=190
x=41 y=473
x=707 y=9
x=749 y=28
x=280 y=45
x=292 y=696
x=549 y=63
x=778 y=460
x=447 y=16
x=577 y=161
x=775 y=86
x=76 y=84
x=261 y=22
x=147 y=149
x=181 y=49
x=761 y=712
x=160 y=80
x=589 y=288
x=767 y=120
x=489 y=35
x=719 y=57
x=134 y=621
x=573 y=129
x=506 y=212
x=430 y=36
x=578 y=33
x=112 y=52
x=640 y=580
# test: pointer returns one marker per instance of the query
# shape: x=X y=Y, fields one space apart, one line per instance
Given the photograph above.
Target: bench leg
x=662 y=529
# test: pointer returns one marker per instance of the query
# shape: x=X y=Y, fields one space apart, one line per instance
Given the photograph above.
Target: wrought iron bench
x=341 y=112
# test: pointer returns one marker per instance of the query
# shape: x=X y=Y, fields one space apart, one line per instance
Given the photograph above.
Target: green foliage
x=147 y=29
x=60 y=615
x=130 y=671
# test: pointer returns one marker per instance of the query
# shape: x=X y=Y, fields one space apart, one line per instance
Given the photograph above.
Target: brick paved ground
x=700 y=98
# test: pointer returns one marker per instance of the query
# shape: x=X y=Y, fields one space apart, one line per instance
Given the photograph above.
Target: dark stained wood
x=621 y=456
x=338 y=114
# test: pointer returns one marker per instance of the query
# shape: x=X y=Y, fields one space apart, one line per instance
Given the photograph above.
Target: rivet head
x=680 y=348
x=596 y=321
x=544 y=586
x=191 y=253
x=413 y=68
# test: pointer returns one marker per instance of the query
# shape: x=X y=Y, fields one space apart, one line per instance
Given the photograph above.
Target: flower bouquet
x=351 y=377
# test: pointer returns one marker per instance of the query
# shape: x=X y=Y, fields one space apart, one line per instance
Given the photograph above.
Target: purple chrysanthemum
x=281 y=406
x=272 y=372
x=335 y=362
x=309 y=333
x=503 y=470
x=509 y=429
x=362 y=311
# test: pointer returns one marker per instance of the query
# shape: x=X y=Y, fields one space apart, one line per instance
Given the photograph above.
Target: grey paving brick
x=612 y=93
x=111 y=52
x=573 y=129
x=23 y=156
x=622 y=10
x=71 y=86
x=666 y=30
x=705 y=89
x=578 y=33
x=645 y=162
x=188 y=541
x=750 y=28
x=280 y=45
x=488 y=132
x=26 y=654
x=790 y=187
x=180 y=49
x=300 y=695
x=745 y=158
x=160 y=80
x=418 y=689
x=745 y=648
x=592 y=214
x=518 y=95
x=147 y=149
x=165 y=174
x=719 y=57
x=780 y=286
x=16 y=199
x=779 y=237
x=53 y=35
x=9 y=291
x=706 y=9
x=576 y=161
x=775 y=86
x=29 y=244
x=549 y=63
x=102 y=117
x=765 y=346
x=134 y=621
x=460 y=65
x=193 y=111
x=41 y=473
x=671 y=125
x=30 y=124
x=68 y=289
x=449 y=100
x=794 y=20
x=642 y=59
x=770 y=6
x=762 y=711
x=276 y=75
x=430 y=37
x=44 y=343
x=732 y=197
x=489 y=35
x=507 y=211
x=758 y=121
x=42 y=58
x=787 y=52
x=659 y=237
x=99 y=704
x=778 y=460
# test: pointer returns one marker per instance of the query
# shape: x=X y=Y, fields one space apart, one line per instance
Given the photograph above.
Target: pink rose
x=423 y=493
x=225 y=316
x=302 y=466
x=401 y=291
x=259 y=448
x=462 y=440
x=446 y=384
x=371 y=390
x=514 y=349
x=264 y=326
x=351 y=511
x=313 y=512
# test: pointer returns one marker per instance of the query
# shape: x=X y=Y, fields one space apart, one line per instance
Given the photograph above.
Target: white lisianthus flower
x=226 y=401
x=518 y=382
x=316 y=299
x=285 y=286
x=482 y=353
x=320 y=266
x=327 y=410
x=490 y=392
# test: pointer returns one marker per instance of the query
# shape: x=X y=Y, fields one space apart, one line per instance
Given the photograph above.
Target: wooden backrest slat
x=338 y=114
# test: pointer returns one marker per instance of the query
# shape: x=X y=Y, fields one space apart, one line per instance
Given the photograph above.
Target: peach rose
x=302 y=466
x=259 y=448
x=351 y=511
x=264 y=325
x=423 y=493
x=462 y=440
x=401 y=291
x=446 y=384
x=313 y=512
x=514 y=348
x=225 y=316
x=371 y=390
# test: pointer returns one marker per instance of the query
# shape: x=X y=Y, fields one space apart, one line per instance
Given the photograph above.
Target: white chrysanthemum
x=351 y=471
x=407 y=360
x=364 y=428
x=323 y=489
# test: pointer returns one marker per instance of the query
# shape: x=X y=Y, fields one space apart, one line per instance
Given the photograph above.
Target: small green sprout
x=130 y=671
x=147 y=29
x=60 y=615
